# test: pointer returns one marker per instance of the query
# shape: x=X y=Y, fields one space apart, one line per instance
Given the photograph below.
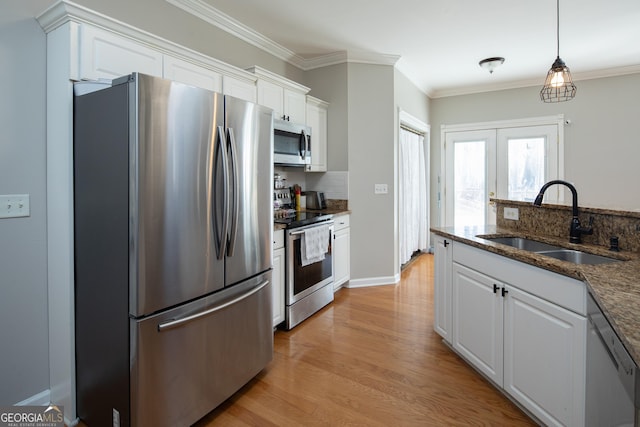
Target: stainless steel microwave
x=291 y=143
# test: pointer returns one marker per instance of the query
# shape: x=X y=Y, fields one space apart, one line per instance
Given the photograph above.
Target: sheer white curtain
x=412 y=198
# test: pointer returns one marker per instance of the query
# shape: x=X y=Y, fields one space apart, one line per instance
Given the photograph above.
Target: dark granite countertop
x=615 y=286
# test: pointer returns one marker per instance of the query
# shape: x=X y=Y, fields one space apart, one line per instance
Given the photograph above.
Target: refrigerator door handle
x=220 y=237
x=174 y=323
x=235 y=196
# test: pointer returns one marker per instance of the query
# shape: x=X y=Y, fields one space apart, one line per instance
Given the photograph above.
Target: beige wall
x=330 y=84
x=371 y=137
x=602 y=143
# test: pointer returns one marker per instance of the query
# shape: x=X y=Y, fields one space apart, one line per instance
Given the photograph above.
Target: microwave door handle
x=303 y=145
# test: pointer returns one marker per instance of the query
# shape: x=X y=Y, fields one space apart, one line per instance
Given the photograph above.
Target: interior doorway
x=413 y=188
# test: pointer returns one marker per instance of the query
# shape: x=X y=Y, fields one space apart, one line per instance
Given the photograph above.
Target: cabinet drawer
x=340 y=222
x=278 y=239
x=556 y=288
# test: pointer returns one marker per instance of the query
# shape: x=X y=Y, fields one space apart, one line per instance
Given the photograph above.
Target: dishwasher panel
x=611 y=374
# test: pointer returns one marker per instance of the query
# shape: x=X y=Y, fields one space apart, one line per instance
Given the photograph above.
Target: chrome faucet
x=576 y=230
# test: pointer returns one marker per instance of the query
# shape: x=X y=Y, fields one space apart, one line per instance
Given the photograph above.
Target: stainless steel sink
x=577 y=257
x=557 y=252
x=522 y=243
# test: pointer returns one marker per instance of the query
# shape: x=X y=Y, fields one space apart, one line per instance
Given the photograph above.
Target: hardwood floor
x=370 y=358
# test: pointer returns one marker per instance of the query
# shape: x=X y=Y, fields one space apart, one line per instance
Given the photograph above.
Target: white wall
x=24 y=367
x=602 y=143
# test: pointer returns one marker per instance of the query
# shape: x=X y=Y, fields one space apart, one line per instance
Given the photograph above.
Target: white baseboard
x=373 y=281
x=40 y=399
x=44 y=399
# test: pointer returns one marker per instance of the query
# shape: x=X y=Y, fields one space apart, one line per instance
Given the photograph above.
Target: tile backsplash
x=554 y=221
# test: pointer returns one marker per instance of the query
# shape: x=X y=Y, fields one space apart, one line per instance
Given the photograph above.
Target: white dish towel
x=314 y=244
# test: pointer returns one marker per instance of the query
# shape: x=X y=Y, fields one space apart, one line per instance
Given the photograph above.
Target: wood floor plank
x=370 y=358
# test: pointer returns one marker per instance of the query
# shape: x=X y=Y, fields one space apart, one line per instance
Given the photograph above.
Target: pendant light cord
x=558 y=27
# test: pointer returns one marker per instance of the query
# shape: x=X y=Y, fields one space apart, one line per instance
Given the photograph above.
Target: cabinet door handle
x=446 y=243
x=504 y=292
x=495 y=288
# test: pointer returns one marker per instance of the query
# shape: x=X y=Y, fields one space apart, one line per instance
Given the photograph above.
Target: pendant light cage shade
x=558 y=86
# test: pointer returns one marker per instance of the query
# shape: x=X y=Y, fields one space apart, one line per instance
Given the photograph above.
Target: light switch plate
x=14 y=205
x=511 y=213
x=380 y=189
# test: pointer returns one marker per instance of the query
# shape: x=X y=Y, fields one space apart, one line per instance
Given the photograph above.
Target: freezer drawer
x=187 y=361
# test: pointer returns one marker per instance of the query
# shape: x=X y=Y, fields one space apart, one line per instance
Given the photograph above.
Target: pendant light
x=558 y=86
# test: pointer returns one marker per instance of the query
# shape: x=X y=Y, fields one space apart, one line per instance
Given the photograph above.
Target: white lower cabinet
x=544 y=358
x=478 y=320
x=278 y=277
x=531 y=346
x=442 y=287
x=341 y=251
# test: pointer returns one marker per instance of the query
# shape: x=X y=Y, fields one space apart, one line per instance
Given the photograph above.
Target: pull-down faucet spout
x=575 y=230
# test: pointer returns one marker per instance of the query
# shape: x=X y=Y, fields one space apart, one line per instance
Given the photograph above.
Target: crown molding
x=66 y=11
x=219 y=19
x=522 y=83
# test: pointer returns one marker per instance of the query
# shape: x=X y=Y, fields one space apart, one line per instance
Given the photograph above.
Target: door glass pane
x=526 y=164
x=470 y=183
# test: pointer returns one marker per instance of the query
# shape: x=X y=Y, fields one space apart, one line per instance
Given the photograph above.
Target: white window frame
x=557 y=120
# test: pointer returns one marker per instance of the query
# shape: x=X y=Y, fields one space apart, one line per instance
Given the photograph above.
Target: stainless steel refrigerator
x=173 y=238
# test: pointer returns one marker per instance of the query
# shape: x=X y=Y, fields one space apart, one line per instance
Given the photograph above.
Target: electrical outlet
x=14 y=205
x=511 y=213
x=380 y=189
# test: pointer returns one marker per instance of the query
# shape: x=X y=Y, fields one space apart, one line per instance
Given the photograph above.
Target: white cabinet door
x=271 y=95
x=478 y=320
x=442 y=287
x=341 y=252
x=544 y=358
x=278 y=286
x=191 y=74
x=317 y=112
x=239 y=88
x=104 y=54
x=294 y=106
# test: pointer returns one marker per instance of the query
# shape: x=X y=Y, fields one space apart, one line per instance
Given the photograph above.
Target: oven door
x=305 y=280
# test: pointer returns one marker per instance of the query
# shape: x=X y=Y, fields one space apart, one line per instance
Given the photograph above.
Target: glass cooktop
x=292 y=218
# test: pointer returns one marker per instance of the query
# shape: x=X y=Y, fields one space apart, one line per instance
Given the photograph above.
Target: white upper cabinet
x=294 y=106
x=106 y=55
x=285 y=97
x=192 y=74
x=317 y=113
x=239 y=88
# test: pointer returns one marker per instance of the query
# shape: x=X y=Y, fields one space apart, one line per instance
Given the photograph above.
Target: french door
x=470 y=177
x=506 y=163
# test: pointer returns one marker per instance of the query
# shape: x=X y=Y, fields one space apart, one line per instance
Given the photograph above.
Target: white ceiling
x=440 y=42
